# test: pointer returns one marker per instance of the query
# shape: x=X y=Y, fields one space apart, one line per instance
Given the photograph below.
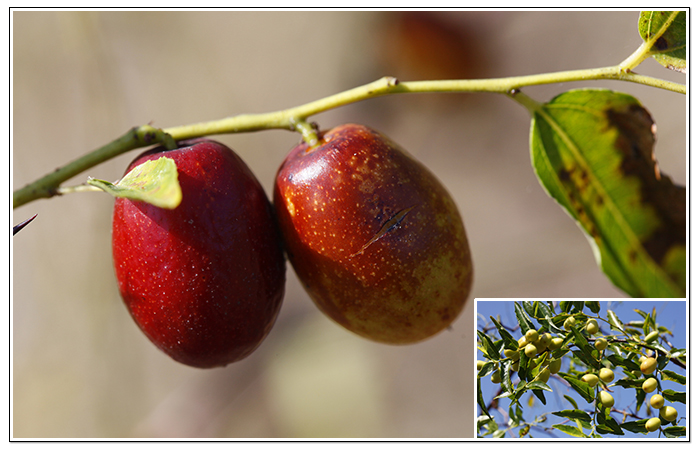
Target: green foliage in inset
x=524 y=378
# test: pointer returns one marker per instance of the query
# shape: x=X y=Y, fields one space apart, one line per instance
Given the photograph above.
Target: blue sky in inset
x=669 y=313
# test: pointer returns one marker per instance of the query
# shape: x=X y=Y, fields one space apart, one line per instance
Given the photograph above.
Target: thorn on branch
x=21 y=225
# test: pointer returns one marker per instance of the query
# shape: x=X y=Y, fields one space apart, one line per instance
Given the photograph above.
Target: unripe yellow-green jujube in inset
x=656 y=401
x=649 y=385
x=652 y=424
x=648 y=366
x=668 y=413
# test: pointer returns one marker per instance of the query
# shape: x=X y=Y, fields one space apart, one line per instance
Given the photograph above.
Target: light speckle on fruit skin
x=383 y=251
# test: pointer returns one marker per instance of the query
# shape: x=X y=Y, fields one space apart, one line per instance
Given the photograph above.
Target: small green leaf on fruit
x=592 y=150
x=153 y=182
x=667 y=30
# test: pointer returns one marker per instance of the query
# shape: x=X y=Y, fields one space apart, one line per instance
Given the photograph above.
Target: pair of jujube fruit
x=374 y=237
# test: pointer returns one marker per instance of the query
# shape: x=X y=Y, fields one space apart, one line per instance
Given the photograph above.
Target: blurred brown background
x=81 y=367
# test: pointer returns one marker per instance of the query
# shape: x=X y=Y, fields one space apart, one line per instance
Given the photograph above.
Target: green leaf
x=571 y=431
x=640 y=397
x=608 y=425
x=615 y=321
x=581 y=387
x=635 y=426
x=153 y=182
x=543 y=313
x=506 y=382
x=486 y=369
x=674 y=432
x=592 y=150
x=674 y=396
x=577 y=307
x=673 y=376
x=480 y=398
x=572 y=401
x=537 y=385
x=515 y=412
x=509 y=341
x=540 y=395
x=665 y=30
x=482 y=420
x=523 y=320
x=630 y=383
x=491 y=350
x=593 y=306
x=574 y=414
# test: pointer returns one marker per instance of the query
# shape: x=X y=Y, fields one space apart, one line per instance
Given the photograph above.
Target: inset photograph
x=611 y=369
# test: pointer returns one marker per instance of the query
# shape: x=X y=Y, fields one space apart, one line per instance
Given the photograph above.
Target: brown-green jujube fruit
x=374 y=237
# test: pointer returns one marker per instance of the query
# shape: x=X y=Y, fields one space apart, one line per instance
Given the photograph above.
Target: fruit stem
x=307 y=130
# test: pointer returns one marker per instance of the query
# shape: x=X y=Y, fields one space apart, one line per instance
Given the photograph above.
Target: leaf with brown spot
x=593 y=153
x=666 y=30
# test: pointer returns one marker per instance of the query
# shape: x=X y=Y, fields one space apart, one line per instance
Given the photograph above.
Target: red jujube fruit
x=204 y=281
x=374 y=237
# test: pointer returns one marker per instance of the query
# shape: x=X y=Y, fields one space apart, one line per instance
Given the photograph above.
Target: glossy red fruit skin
x=203 y=281
x=373 y=236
